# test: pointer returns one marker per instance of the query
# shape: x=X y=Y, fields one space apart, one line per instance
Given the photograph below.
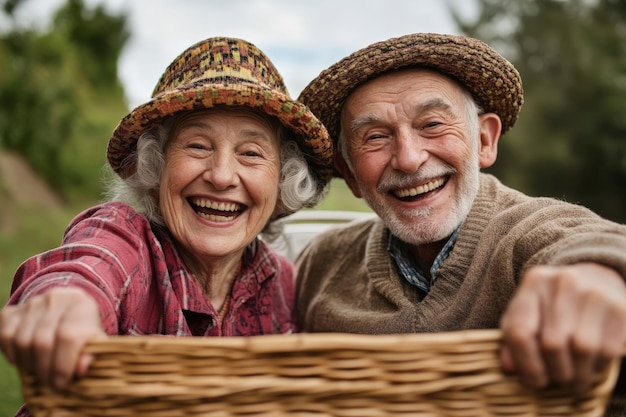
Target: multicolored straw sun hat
x=492 y=80
x=223 y=72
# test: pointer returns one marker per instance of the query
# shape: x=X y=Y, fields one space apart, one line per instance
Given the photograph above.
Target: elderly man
x=415 y=118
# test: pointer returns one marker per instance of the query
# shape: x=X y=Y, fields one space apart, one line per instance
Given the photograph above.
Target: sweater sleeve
x=579 y=235
x=562 y=234
x=514 y=232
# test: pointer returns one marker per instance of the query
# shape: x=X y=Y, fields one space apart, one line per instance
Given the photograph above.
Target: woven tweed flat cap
x=492 y=80
x=223 y=72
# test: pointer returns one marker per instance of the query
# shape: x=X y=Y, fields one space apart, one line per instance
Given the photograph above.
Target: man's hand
x=564 y=324
x=46 y=335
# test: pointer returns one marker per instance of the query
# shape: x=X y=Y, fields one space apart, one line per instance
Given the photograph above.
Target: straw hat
x=492 y=80
x=230 y=72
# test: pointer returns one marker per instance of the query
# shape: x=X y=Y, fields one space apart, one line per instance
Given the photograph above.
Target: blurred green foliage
x=61 y=97
x=340 y=197
x=570 y=139
x=10 y=389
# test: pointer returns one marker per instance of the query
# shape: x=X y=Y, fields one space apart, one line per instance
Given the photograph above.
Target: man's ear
x=490 y=127
x=346 y=173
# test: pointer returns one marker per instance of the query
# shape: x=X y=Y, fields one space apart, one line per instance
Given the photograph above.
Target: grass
x=10 y=389
x=34 y=231
x=341 y=198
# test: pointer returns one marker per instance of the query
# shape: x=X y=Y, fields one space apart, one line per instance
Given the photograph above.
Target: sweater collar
x=409 y=270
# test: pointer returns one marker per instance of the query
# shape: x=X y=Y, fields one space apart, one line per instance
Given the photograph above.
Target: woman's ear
x=345 y=171
x=490 y=127
x=279 y=209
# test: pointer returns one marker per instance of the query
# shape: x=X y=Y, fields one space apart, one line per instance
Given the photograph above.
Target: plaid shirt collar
x=400 y=252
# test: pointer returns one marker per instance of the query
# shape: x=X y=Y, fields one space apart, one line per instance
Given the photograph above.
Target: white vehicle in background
x=301 y=226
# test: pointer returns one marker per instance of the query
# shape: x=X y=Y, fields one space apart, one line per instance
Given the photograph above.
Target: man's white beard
x=415 y=227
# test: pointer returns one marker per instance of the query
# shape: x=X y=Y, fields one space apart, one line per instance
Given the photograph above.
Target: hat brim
x=493 y=81
x=310 y=134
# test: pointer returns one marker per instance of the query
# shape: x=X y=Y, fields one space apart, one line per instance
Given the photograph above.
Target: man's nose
x=408 y=152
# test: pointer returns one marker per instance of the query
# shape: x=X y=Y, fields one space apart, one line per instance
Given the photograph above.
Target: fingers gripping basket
x=444 y=374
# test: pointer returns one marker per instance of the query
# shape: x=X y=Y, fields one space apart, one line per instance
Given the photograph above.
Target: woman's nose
x=222 y=171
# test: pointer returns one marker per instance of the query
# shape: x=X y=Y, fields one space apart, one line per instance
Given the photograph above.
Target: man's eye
x=374 y=137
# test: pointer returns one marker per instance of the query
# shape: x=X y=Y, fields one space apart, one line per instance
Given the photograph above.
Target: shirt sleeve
x=102 y=250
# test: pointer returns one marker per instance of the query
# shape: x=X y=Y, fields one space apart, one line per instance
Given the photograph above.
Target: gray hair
x=298 y=187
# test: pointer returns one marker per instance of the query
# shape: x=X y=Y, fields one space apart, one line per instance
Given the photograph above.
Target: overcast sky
x=301 y=37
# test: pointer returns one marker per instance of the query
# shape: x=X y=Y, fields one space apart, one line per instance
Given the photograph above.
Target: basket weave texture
x=455 y=374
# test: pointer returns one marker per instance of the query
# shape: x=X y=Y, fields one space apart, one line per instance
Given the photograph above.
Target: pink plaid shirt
x=132 y=269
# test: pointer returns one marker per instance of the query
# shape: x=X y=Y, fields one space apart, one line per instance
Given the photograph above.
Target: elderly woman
x=219 y=153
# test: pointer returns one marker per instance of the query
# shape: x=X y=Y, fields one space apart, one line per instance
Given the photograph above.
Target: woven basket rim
x=305 y=341
x=447 y=374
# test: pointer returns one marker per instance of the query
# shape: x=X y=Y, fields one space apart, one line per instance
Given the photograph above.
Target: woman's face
x=220 y=181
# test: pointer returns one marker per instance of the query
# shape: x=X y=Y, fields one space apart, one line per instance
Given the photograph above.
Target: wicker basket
x=454 y=374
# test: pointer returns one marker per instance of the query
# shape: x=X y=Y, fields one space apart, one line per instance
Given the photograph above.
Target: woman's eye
x=251 y=153
x=431 y=124
x=196 y=146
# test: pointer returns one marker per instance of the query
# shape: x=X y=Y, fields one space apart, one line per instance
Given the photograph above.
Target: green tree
x=61 y=96
x=570 y=140
x=36 y=95
x=97 y=36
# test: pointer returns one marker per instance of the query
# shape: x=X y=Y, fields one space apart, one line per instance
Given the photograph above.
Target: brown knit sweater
x=347 y=282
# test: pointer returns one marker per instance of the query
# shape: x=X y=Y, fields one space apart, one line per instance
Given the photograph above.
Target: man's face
x=414 y=159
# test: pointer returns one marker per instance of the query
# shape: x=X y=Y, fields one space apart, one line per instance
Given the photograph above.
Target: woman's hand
x=564 y=324
x=45 y=335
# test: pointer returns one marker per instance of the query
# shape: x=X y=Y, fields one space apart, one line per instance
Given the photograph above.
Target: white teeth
x=412 y=192
x=215 y=205
x=215 y=218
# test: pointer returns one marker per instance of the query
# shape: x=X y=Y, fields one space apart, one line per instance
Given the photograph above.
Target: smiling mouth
x=216 y=211
x=420 y=191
